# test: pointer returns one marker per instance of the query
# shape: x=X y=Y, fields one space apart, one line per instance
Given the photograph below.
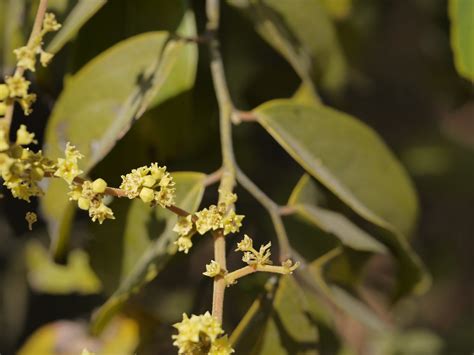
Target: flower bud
x=3 y=92
x=149 y=181
x=99 y=186
x=83 y=203
x=147 y=195
x=37 y=173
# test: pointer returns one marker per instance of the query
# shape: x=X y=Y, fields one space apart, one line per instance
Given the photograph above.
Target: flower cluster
x=16 y=86
x=26 y=55
x=152 y=184
x=260 y=258
x=201 y=335
x=89 y=196
x=208 y=219
x=67 y=167
x=20 y=168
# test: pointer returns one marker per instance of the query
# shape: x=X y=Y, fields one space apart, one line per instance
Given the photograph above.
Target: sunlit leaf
x=303 y=33
x=66 y=337
x=98 y=106
x=351 y=160
x=144 y=254
x=461 y=13
x=82 y=11
x=46 y=276
x=329 y=221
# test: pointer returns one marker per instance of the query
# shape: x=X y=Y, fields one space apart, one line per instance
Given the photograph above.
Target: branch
x=226 y=108
x=6 y=121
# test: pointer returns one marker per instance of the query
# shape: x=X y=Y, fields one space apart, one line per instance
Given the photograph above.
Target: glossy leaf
x=351 y=160
x=303 y=33
x=80 y=14
x=329 y=221
x=98 y=106
x=461 y=13
x=145 y=254
x=347 y=157
x=46 y=276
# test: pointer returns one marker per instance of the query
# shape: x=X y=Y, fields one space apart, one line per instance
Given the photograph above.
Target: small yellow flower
x=49 y=23
x=221 y=347
x=208 y=219
x=245 y=244
x=232 y=222
x=199 y=335
x=184 y=225
x=45 y=58
x=17 y=86
x=212 y=269
x=26 y=57
x=23 y=137
x=184 y=243
x=98 y=211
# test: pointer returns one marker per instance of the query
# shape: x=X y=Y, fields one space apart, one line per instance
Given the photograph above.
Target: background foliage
x=126 y=93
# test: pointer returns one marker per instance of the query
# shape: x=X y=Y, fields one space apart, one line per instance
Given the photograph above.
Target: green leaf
x=329 y=221
x=351 y=160
x=303 y=33
x=144 y=253
x=79 y=15
x=461 y=13
x=347 y=157
x=279 y=324
x=98 y=106
x=46 y=276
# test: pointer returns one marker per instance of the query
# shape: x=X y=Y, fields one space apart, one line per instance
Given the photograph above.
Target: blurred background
x=401 y=81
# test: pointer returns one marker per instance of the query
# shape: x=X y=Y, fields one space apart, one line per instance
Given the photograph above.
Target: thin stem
x=6 y=121
x=273 y=210
x=226 y=109
x=250 y=269
x=213 y=177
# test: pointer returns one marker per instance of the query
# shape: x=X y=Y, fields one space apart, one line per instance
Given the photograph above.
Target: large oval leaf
x=351 y=161
x=303 y=33
x=100 y=102
x=347 y=157
x=142 y=253
x=461 y=13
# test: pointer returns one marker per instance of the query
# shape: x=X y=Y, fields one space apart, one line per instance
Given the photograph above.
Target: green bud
x=3 y=108
x=3 y=92
x=147 y=195
x=37 y=173
x=83 y=203
x=99 y=186
x=149 y=181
